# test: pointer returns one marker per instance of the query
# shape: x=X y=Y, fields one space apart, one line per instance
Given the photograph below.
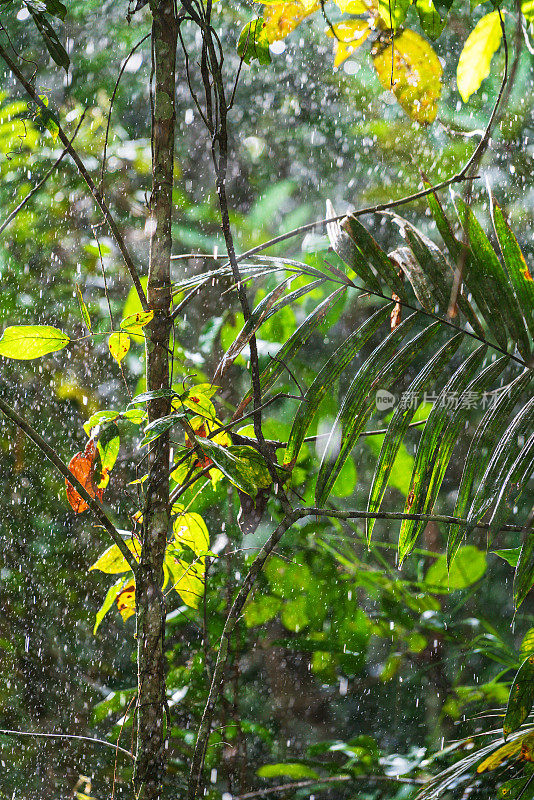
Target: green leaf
x=489 y=433
x=512 y=486
x=400 y=421
x=108 y=447
x=253 y=44
x=468 y=567
x=99 y=418
x=119 y=344
x=83 y=309
x=393 y=12
x=159 y=426
x=475 y=58
x=429 y=18
x=286 y=353
x=24 y=342
x=374 y=255
x=527 y=9
x=343 y=245
x=493 y=281
x=113 y=562
x=145 y=397
x=261 y=610
x=501 y=462
x=134 y=323
x=516 y=265
x=440 y=274
x=242 y=465
x=53 y=45
x=521 y=697
x=510 y=555
x=382 y=368
x=326 y=378
x=524 y=574
x=112 y=594
x=527 y=645
x=430 y=460
x=295 y=771
x=422 y=287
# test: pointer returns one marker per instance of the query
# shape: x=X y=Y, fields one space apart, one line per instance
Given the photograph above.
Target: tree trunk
x=151 y=735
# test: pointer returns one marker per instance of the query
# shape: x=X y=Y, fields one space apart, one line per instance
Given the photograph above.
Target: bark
x=151 y=734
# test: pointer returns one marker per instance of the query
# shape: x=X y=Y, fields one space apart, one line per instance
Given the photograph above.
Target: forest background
x=422 y=659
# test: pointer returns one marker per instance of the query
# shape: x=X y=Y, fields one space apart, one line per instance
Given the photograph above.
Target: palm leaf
x=439 y=422
x=381 y=369
x=487 y=435
x=326 y=379
x=399 y=425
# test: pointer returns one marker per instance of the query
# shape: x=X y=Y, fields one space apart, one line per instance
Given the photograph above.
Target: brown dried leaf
x=82 y=466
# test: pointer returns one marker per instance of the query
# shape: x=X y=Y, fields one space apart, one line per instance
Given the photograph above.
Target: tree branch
x=43 y=180
x=116 y=747
x=30 y=91
x=60 y=465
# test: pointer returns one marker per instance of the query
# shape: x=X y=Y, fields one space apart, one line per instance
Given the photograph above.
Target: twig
x=60 y=465
x=43 y=180
x=121 y=72
x=116 y=747
x=330 y=779
x=30 y=91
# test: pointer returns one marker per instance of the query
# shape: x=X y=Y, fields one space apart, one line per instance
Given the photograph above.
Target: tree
x=167 y=542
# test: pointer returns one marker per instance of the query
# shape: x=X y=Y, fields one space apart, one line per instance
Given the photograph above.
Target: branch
x=43 y=180
x=30 y=91
x=458 y=177
x=60 y=465
x=284 y=787
x=204 y=730
x=116 y=747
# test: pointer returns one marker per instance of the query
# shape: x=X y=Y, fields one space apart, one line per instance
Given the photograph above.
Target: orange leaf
x=126 y=601
x=82 y=466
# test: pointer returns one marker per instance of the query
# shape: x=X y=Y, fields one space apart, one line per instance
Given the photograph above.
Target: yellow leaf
x=119 y=344
x=126 y=601
x=134 y=323
x=475 y=58
x=190 y=529
x=355 y=6
x=502 y=754
x=349 y=36
x=187 y=577
x=112 y=562
x=283 y=18
x=413 y=74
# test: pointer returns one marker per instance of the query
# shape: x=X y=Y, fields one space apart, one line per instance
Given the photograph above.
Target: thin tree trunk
x=150 y=757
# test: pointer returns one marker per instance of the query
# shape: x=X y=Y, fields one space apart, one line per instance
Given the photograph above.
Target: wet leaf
x=467 y=568
x=83 y=309
x=126 y=601
x=50 y=37
x=31 y=341
x=393 y=12
x=527 y=645
x=475 y=58
x=82 y=466
x=521 y=697
x=430 y=20
x=348 y=36
x=294 y=771
x=253 y=44
x=510 y=555
x=134 y=323
x=159 y=426
x=412 y=72
x=110 y=598
x=282 y=18
x=119 y=344
x=112 y=562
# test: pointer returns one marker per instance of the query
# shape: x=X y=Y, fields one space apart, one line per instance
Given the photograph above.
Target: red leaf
x=82 y=466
